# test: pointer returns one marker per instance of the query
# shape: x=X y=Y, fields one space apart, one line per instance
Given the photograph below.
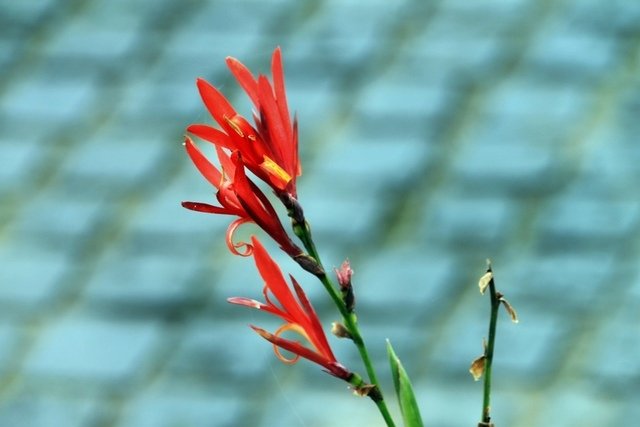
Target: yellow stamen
x=275 y=169
x=234 y=126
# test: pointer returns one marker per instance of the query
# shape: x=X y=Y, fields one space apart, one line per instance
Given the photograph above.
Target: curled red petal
x=233 y=247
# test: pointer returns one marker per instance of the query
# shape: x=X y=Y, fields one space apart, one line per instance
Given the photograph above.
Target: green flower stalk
x=483 y=365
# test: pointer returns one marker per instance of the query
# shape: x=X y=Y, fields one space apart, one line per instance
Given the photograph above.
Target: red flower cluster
x=269 y=151
x=297 y=313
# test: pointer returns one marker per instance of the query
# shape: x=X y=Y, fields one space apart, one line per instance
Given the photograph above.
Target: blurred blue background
x=434 y=135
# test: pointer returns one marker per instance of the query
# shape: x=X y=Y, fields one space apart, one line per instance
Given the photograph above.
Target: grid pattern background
x=434 y=135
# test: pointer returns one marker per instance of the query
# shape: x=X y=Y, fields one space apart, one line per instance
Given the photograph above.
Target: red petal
x=248 y=302
x=297 y=168
x=233 y=247
x=277 y=72
x=296 y=348
x=228 y=167
x=215 y=102
x=212 y=135
x=314 y=329
x=258 y=207
x=206 y=208
x=271 y=274
x=271 y=116
x=245 y=79
x=206 y=168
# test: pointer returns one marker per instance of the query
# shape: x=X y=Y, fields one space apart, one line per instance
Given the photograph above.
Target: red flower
x=237 y=196
x=270 y=149
x=297 y=313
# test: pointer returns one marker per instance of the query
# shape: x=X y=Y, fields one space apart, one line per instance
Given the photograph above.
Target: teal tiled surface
x=434 y=135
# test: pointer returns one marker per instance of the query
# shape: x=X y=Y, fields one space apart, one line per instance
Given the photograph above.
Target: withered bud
x=510 y=310
x=364 y=390
x=477 y=367
x=484 y=281
x=344 y=274
x=309 y=264
x=339 y=330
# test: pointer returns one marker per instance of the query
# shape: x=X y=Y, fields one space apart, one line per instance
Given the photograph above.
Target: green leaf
x=404 y=391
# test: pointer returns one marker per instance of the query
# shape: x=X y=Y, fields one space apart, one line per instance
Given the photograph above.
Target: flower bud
x=344 y=274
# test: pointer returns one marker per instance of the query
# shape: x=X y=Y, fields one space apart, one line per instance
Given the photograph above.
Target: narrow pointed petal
x=277 y=71
x=245 y=78
x=314 y=330
x=297 y=168
x=269 y=308
x=295 y=347
x=271 y=274
x=216 y=103
x=228 y=167
x=206 y=168
x=212 y=135
x=206 y=208
x=247 y=302
x=270 y=114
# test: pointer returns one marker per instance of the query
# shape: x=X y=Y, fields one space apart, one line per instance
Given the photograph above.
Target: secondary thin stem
x=493 y=322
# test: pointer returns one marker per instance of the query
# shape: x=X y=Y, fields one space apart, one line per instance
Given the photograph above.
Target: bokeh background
x=434 y=135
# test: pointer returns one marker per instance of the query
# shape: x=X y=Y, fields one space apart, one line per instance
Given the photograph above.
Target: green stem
x=493 y=322
x=360 y=386
x=350 y=321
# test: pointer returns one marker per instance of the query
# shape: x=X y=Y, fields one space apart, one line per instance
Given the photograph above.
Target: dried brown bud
x=309 y=264
x=339 y=330
x=484 y=281
x=510 y=310
x=364 y=390
x=477 y=367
